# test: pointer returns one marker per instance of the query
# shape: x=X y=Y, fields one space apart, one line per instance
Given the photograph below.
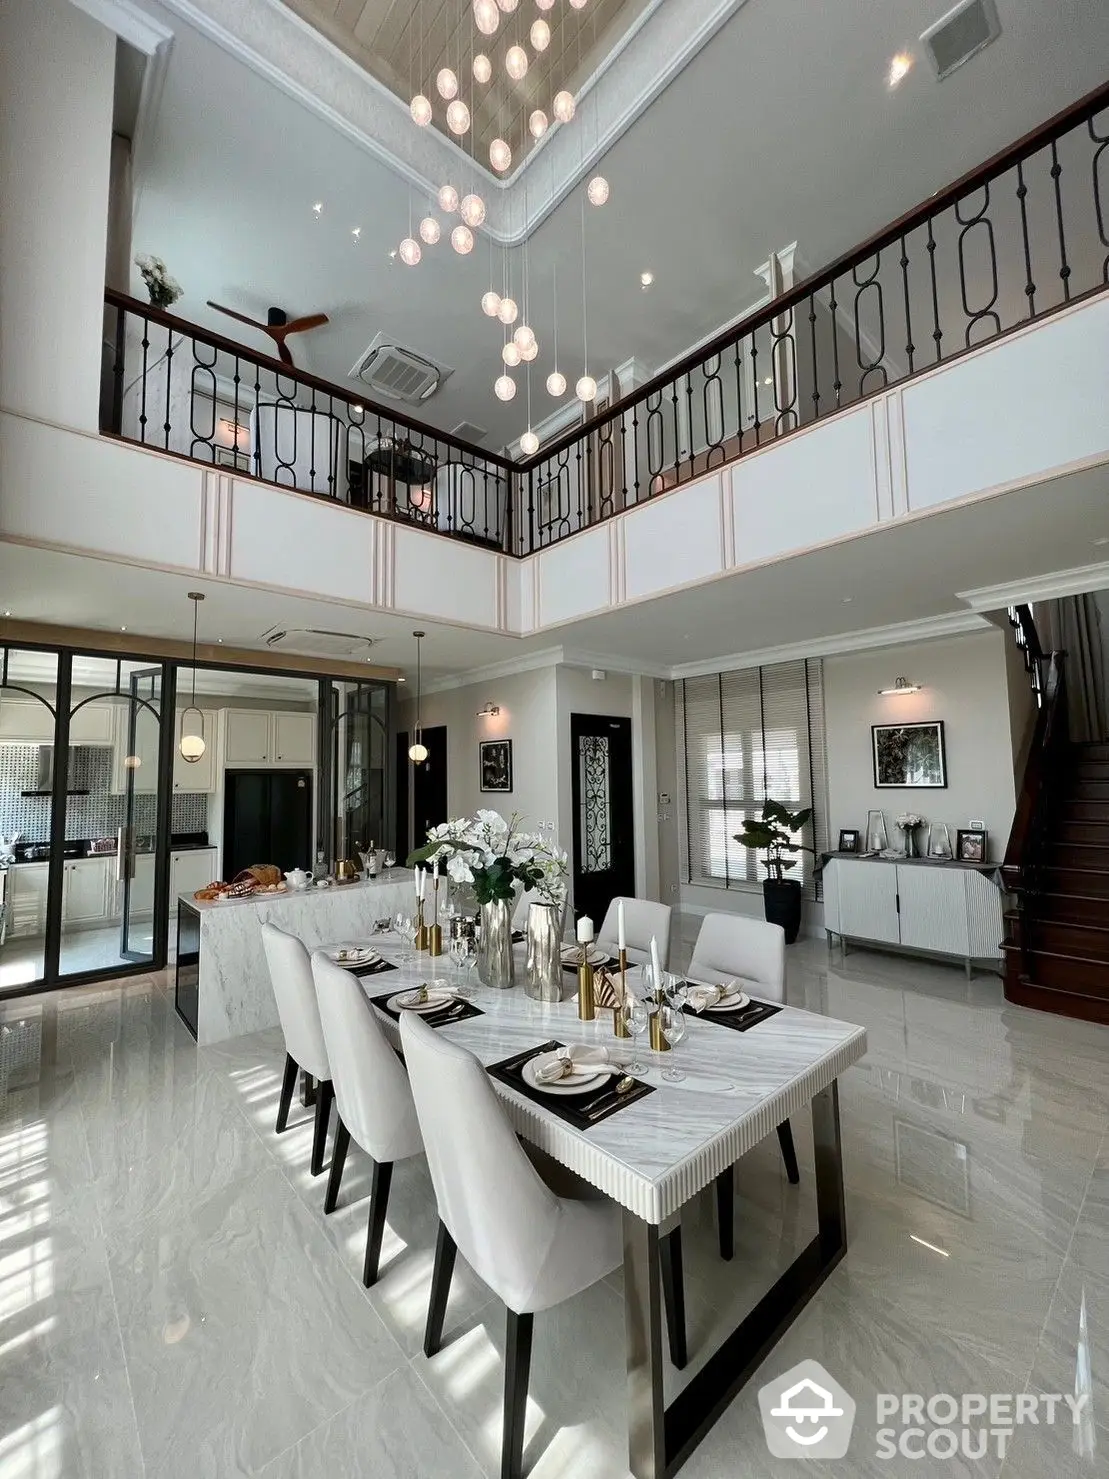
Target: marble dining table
x=661 y=1151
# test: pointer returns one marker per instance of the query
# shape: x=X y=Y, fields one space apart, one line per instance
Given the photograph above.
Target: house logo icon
x=806 y=1414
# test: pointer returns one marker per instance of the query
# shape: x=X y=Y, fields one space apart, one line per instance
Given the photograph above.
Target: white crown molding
x=128 y=22
x=926 y=630
x=527 y=662
x=628 y=667
x=283 y=48
x=1034 y=588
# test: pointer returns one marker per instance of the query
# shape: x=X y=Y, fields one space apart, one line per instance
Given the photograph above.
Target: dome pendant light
x=191 y=747
x=417 y=750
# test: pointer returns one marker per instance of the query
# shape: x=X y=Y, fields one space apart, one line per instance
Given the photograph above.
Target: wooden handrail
x=224 y=345
x=1048 y=742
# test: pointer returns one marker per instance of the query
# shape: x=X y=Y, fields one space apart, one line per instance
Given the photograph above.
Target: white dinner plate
x=353 y=955
x=405 y=1001
x=571 y=955
x=579 y=1082
x=733 y=1003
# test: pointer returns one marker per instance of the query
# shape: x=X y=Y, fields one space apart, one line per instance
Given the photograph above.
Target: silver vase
x=495 y=966
x=544 y=977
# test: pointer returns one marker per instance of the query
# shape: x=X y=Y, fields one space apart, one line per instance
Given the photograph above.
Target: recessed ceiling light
x=220 y=641
x=7 y=613
x=123 y=629
x=317 y=209
x=847 y=600
x=646 y=279
x=393 y=255
x=900 y=66
x=356 y=232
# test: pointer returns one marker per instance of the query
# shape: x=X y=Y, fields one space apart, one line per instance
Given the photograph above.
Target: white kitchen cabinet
x=25 y=721
x=294 y=739
x=940 y=908
x=91 y=725
x=197 y=777
x=85 y=890
x=190 y=869
x=246 y=737
x=27 y=884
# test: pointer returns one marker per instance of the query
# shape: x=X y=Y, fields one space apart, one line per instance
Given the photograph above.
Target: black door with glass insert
x=429 y=784
x=604 y=835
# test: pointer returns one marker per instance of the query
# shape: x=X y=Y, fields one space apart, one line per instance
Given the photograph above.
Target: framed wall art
x=909 y=756
x=495 y=765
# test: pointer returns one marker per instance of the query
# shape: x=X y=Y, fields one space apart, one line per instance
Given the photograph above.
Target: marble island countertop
x=394 y=877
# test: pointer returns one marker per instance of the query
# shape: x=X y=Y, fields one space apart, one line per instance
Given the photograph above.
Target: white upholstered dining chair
x=735 y=947
x=643 y=918
x=373 y=1099
x=534 y=1249
x=291 y=976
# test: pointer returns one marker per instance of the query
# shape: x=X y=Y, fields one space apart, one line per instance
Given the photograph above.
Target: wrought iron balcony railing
x=1012 y=241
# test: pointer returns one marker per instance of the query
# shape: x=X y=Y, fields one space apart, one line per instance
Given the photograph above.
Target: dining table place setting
x=579 y=1082
x=360 y=960
x=727 y=1004
x=432 y=1000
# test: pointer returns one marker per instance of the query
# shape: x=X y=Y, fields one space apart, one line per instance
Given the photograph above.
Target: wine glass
x=390 y=860
x=462 y=956
x=674 y=1025
x=633 y=1009
x=405 y=926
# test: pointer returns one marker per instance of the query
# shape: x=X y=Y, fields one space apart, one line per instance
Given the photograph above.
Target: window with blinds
x=746 y=736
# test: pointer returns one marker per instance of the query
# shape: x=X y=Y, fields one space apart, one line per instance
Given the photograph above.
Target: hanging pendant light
x=483 y=68
x=529 y=443
x=429 y=230
x=490 y=303
x=500 y=155
x=458 y=117
x=472 y=210
x=191 y=747
x=487 y=16
x=540 y=34
x=516 y=63
x=417 y=750
x=448 y=198
x=597 y=190
x=446 y=83
x=537 y=124
x=563 y=106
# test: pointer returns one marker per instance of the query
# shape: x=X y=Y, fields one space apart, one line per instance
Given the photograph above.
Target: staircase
x=1056 y=865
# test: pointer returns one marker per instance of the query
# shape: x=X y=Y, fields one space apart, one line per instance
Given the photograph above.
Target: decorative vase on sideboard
x=782 y=905
x=495 y=966
x=544 y=977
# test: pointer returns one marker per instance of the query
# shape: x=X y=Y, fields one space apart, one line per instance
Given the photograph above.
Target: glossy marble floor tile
x=173 y=1301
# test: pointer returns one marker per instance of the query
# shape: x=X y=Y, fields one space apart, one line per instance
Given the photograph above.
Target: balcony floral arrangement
x=494 y=856
x=163 y=289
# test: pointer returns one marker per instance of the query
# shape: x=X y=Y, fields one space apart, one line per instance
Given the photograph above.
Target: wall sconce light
x=488 y=711
x=901 y=685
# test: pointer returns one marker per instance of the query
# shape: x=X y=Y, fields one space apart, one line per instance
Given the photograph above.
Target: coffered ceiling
x=405 y=45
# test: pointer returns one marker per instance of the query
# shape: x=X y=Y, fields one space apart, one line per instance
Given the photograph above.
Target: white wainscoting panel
x=444 y=578
x=814 y=486
x=1028 y=405
x=575 y=577
x=300 y=543
x=675 y=539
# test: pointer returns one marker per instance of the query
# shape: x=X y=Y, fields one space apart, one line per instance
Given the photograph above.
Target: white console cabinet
x=937 y=908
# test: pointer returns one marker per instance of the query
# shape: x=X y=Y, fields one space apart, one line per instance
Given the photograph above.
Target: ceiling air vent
x=468 y=431
x=397 y=373
x=318 y=642
x=960 y=34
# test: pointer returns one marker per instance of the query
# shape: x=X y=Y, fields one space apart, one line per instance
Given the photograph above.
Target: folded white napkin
x=577 y=1058
x=701 y=996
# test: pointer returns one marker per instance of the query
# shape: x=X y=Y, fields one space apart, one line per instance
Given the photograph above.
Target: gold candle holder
x=420 y=942
x=619 y=1024
x=587 y=1006
x=658 y=1041
x=435 y=933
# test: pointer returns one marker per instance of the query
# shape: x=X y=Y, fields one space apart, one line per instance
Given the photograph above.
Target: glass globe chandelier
x=458 y=117
x=429 y=230
x=556 y=383
x=563 y=106
x=529 y=443
x=189 y=746
x=417 y=750
x=490 y=303
x=409 y=251
x=504 y=388
x=472 y=210
x=446 y=83
x=516 y=63
x=462 y=239
x=537 y=124
x=420 y=108
x=540 y=34
x=448 y=198
x=500 y=155
x=586 y=388
x=530 y=352
x=483 y=68
x=523 y=336
x=507 y=311
x=487 y=17
x=597 y=190
x=511 y=355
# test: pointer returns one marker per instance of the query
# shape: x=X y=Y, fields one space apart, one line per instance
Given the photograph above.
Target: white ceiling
x=913 y=571
x=781 y=129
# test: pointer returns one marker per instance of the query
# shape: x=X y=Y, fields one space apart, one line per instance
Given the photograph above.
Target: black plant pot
x=782 y=905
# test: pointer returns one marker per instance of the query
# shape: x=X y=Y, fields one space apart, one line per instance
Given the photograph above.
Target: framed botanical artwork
x=970 y=844
x=908 y=756
x=495 y=765
x=236 y=457
x=848 y=840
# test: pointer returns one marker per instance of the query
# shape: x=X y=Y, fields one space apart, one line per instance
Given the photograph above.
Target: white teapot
x=297 y=878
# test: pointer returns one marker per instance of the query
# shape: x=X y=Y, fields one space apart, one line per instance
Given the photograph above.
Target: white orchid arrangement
x=163 y=289
x=908 y=820
x=494 y=855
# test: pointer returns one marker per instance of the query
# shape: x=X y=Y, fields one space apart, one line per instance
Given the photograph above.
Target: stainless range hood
x=44 y=775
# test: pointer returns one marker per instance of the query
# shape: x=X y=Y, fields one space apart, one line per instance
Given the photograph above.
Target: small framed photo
x=495 y=765
x=970 y=844
x=848 y=840
x=909 y=755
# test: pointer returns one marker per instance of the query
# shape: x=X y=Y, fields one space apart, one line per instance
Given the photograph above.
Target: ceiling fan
x=278 y=326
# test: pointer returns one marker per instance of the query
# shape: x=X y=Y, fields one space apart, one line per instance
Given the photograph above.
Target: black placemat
x=750 y=1016
x=376 y=968
x=583 y=1111
x=456 y=1011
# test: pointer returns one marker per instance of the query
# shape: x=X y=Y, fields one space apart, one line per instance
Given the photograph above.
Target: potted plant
x=774 y=835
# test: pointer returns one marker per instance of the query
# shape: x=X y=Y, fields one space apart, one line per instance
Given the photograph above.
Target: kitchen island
x=223 y=984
